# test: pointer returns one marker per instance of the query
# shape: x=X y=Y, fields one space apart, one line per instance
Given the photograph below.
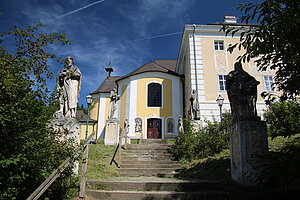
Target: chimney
x=230 y=19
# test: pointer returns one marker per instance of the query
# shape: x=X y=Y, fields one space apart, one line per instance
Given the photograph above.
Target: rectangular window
x=269 y=84
x=219 y=45
x=222 y=82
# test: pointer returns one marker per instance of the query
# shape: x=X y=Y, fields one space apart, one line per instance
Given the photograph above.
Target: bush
x=283 y=119
x=211 y=140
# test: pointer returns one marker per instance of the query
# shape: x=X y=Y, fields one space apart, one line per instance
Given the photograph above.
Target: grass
x=98 y=163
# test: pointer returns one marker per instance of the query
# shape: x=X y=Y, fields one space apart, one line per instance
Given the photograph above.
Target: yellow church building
x=153 y=96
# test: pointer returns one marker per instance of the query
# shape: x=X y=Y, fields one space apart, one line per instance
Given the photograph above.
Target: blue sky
x=129 y=32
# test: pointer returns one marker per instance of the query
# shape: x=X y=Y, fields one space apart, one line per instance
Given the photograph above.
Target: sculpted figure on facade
x=68 y=88
x=180 y=124
x=170 y=126
x=114 y=97
x=138 y=125
x=242 y=94
x=194 y=106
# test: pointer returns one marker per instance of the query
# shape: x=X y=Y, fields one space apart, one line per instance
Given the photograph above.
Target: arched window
x=154 y=95
x=138 y=125
x=170 y=125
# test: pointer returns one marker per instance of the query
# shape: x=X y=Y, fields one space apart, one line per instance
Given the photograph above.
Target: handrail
x=84 y=166
x=54 y=175
x=123 y=135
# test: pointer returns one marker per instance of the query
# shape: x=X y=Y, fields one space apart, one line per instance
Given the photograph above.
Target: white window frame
x=162 y=95
x=269 y=84
x=224 y=82
x=217 y=43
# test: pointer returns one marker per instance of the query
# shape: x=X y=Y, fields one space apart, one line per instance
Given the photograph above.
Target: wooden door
x=153 y=128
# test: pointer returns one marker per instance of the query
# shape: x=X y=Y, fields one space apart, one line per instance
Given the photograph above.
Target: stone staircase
x=148 y=172
x=150 y=158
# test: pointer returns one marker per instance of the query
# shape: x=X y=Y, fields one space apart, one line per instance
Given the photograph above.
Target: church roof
x=165 y=66
x=81 y=117
x=107 y=85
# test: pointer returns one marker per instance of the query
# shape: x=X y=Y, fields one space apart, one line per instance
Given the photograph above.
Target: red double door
x=154 y=128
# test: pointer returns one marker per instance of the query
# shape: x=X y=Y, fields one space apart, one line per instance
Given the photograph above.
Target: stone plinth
x=248 y=149
x=196 y=125
x=112 y=132
x=67 y=129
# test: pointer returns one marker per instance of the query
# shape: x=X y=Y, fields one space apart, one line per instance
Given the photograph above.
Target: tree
x=274 y=41
x=29 y=152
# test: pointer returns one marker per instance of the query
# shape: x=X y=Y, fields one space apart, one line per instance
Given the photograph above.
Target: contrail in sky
x=77 y=10
x=157 y=36
x=135 y=40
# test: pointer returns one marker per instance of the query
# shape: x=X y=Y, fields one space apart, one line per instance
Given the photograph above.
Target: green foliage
x=283 y=119
x=274 y=41
x=29 y=152
x=210 y=140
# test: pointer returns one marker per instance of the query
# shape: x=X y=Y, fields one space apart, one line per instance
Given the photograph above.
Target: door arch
x=154 y=130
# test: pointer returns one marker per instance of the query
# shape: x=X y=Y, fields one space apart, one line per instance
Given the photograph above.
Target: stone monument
x=64 y=123
x=194 y=106
x=180 y=125
x=112 y=124
x=248 y=138
x=195 y=112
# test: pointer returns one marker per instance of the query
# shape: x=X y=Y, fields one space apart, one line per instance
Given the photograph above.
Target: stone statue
x=170 y=126
x=114 y=97
x=180 y=125
x=138 y=125
x=68 y=88
x=194 y=108
x=242 y=94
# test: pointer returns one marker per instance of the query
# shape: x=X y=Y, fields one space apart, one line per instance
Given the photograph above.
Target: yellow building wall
x=91 y=129
x=123 y=105
x=106 y=109
x=94 y=112
x=143 y=111
x=211 y=71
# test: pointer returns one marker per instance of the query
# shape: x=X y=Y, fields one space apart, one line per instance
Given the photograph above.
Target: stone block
x=111 y=136
x=248 y=150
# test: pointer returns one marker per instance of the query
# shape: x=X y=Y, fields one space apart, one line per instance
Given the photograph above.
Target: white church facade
x=153 y=96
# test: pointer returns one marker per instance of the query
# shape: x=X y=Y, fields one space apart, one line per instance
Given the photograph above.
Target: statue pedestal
x=196 y=125
x=67 y=129
x=112 y=132
x=248 y=150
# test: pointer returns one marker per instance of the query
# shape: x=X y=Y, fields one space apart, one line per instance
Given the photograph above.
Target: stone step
x=160 y=175
x=149 y=146
x=166 y=158
x=157 y=185
x=148 y=172
x=146 y=151
x=152 y=165
x=153 y=141
x=153 y=195
x=148 y=162
x=134 y=155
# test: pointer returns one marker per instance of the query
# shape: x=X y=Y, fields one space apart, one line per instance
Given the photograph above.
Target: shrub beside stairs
x=148 y=172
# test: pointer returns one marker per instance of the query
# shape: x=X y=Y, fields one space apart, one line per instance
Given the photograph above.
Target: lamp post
x=220 y=101
x=89 y=100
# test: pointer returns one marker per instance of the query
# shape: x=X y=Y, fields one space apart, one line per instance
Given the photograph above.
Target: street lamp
x=89 y=100
x=220 y=101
